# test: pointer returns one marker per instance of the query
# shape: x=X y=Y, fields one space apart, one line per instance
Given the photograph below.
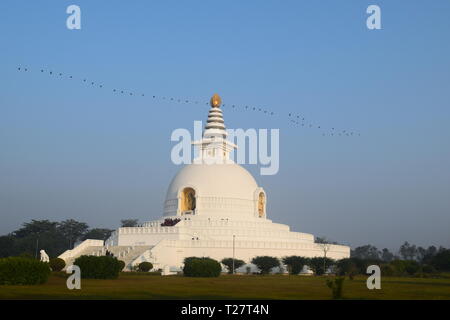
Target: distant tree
x=405 y=267
x=228 y=262
x=36 y=235
x=407 y=251
x=320 y=265
x=348 y=267
x=97 y=234
x=72 y=230
x=129 y=223
x=265 y=263
x=295 y=263
x=427 y=257
x=324 y=240
x=441 y=261
x=34 y=228
x=366 y=252
x=386 y=255
x=6 y=246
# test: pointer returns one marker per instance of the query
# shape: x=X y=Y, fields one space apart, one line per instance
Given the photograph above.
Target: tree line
x=54 y=237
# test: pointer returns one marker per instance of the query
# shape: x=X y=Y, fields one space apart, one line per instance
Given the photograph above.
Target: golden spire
x=215 y=101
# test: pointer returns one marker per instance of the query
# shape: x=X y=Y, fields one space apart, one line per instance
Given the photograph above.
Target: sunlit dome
x=219 y=189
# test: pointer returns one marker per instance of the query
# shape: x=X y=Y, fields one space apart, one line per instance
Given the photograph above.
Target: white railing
x=82 y=246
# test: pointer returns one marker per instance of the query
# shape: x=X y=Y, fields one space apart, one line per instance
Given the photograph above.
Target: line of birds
x=294 y=118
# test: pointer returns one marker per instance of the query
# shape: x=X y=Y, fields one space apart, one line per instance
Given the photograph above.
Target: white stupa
x=213 y=208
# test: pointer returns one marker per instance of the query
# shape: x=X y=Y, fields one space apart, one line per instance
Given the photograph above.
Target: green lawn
x=144 y=286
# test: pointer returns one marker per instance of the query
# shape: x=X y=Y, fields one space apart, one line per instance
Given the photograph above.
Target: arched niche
x=188 y=200
x=261 y=204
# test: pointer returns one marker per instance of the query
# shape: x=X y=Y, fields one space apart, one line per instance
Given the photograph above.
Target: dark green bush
x=405 y=267
x=57 y=264
x=295 y=263
x=441 y=261
x=387 y=270
x=426 y=268
x=93 y=267
x=266 y=263
x=201 y=267
x=228 y=262
x=17 y=270
x=145 y=266
x=348 y=267
x=320 y=265
x=122 y=265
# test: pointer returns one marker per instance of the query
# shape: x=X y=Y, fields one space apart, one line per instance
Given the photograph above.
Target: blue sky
x=69 y=149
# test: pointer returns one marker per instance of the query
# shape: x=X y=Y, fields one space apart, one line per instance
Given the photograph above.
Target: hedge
x=57 y=264
x=122 y=265
x=201 y=267
x=145 y=266
x=103 y=267
x=23 y=271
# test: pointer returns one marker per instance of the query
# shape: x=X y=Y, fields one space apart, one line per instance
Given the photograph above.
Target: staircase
x=89 y=251
x=125 y=253
x=133 y=255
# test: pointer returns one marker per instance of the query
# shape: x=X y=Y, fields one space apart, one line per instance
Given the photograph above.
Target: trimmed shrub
x=295 y=263
x=24 y=271
x=320 y=265
x=121 y=264
x=103 y=267
x=201 y=267
x=57 y=264
x=145 y=266
x=265 y=263
x=228 y=262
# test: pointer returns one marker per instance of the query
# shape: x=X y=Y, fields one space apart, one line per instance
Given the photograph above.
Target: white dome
x=220 y=189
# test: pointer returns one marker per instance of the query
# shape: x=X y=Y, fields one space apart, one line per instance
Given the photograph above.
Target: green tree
x=266 y=263
x=97 y=234
x=36 y=235
x=386 y=255
x=6 y=246
x=407 y=251
x=347 y=267
x=320 y=265
x=430 y=252
x=72 y=230
x=441 y=261
x=366 y=252
x=295 y=263
x=35 y=227
x=324 y=240
x=228 y=262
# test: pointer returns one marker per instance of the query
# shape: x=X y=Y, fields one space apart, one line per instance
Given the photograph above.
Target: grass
x=147 y=286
